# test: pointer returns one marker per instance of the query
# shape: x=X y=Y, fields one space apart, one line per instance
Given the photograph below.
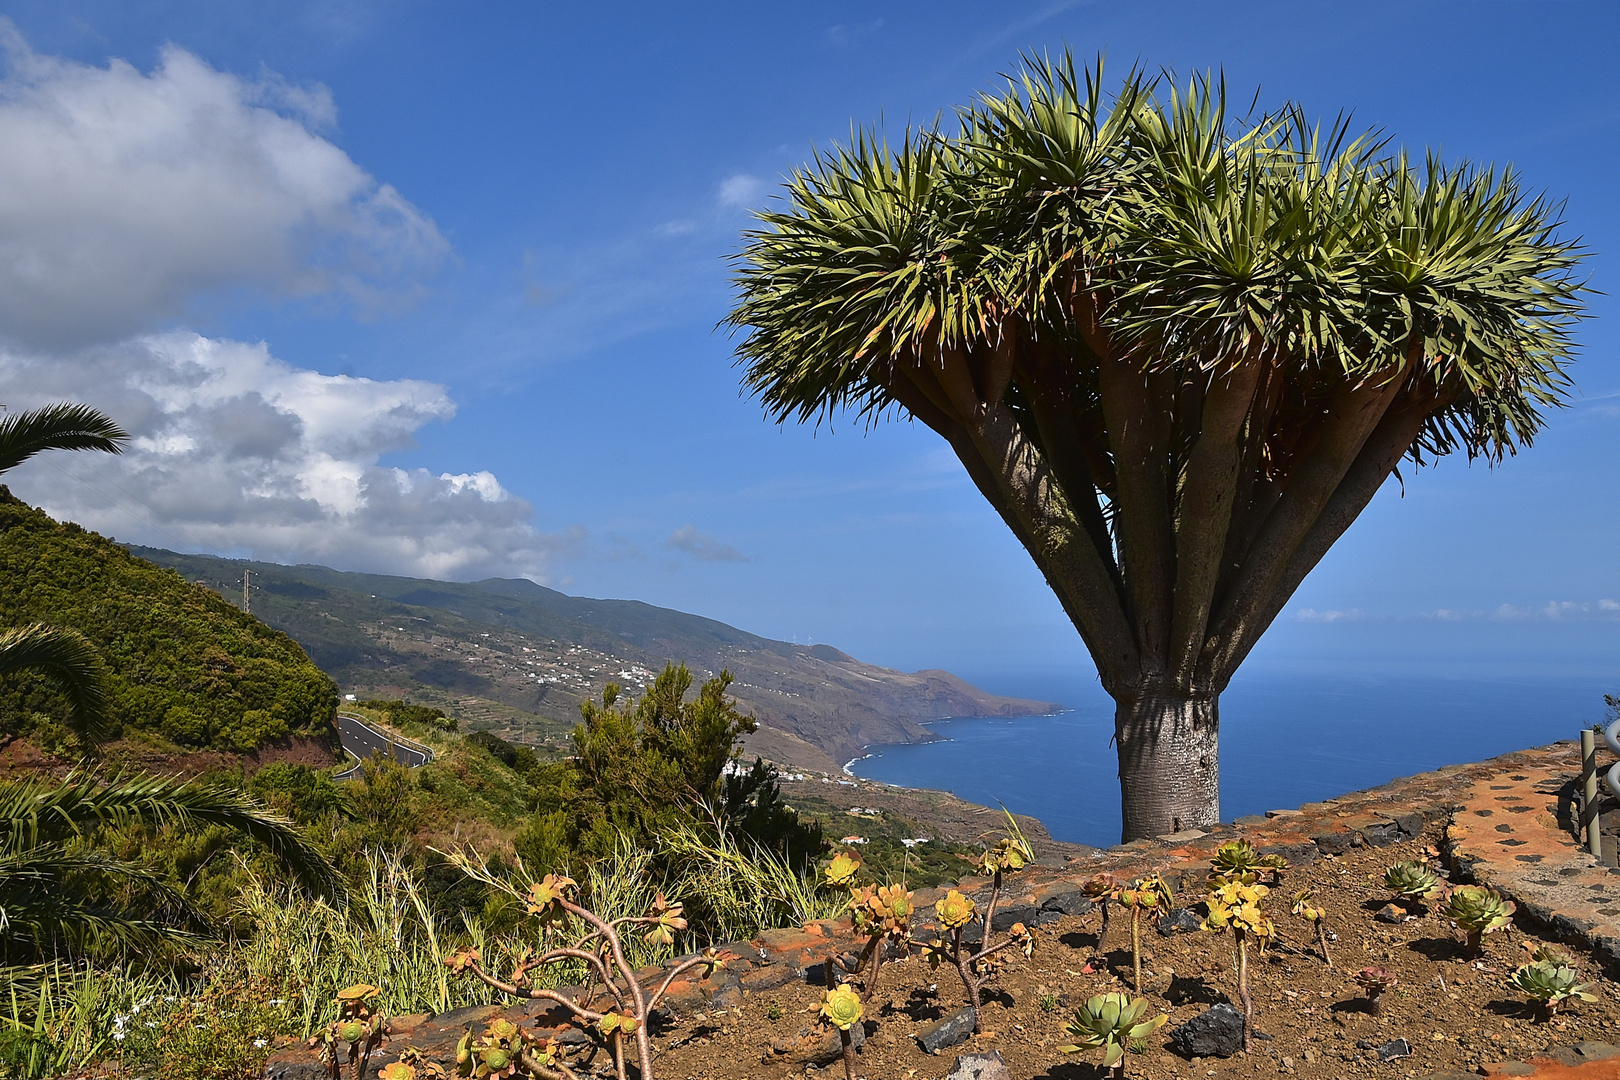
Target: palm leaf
x=62 y=426
x=36 y=811
x=71 y=661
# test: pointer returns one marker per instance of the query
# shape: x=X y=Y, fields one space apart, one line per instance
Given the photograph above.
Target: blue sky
x=432 y=289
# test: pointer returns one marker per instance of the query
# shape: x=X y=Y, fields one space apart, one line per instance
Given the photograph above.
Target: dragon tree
x=1178 y=349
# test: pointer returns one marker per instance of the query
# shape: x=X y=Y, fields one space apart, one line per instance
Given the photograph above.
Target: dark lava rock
x=817 y=1046
x=1180 y=921
x=1390 y=913
x=767 y=978
x=1074 y=902
x=1394 y=1050
x=1005 y=917
x=986 y=1066
x=1336 y=843
x=1215 y=1032
x=955 y=1028
x=1297 y=854
x=1381 y=834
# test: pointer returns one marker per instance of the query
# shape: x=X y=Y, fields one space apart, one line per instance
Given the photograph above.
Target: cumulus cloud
x=126 y=194
x=239 y=452
x=706 y=548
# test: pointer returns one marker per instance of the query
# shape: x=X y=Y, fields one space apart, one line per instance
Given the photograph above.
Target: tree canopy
x=1177 y=346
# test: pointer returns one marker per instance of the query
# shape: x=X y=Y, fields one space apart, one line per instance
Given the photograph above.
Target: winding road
x=361 y=740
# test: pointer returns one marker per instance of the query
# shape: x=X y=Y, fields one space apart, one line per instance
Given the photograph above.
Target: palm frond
x=35 y=811
x=62 y=426
x=69 y=659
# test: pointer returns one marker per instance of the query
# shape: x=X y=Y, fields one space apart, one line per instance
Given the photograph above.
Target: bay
x=1286 y=739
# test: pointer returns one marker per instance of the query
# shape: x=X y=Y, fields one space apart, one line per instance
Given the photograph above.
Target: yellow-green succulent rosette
x=841 y=1007
x=954 y=910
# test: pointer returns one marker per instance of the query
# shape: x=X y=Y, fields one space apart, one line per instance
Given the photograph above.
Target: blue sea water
x=1286 y=739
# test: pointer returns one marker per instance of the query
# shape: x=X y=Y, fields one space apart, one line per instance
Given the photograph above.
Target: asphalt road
x=361 y=741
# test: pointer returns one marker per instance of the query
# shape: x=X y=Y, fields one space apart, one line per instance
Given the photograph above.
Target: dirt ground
x=1456 y=1010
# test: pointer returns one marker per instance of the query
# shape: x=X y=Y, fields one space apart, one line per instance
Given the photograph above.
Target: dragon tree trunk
x=1169 y=761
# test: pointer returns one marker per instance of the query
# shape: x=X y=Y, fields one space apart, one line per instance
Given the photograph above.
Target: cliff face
x=517 y=658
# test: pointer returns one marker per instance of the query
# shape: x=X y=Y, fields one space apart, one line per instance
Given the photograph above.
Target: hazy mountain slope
x=518 y=657
x=182 y=664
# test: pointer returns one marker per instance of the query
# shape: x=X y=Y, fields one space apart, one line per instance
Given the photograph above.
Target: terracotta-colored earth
x=1455 y=1010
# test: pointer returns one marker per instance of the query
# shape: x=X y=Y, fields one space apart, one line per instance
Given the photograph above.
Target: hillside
x=185 y=668
x=516 y=658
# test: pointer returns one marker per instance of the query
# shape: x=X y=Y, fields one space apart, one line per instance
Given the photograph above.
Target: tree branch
x=1136 y=417
x=1351 y=420
x=1013 y=478
x=1383 y=451
x=1205 y=511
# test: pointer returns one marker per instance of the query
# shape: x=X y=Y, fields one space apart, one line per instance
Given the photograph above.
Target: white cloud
x=847 y=36
x=1329 y=616
x=699 y=546
x=125 y=195
x=236 y=451
x=741 y=191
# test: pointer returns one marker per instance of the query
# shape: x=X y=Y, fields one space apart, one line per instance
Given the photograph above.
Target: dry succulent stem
x=601 y=950
x=355 y=1025
x=956 y=911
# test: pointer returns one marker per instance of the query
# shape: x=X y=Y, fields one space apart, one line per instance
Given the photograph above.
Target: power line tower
x=247 y=604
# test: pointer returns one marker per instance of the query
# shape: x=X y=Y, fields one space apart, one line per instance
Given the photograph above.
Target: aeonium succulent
x=1008 y=854
x=1373 y=982
x=842 y=869
x=1111 y=1023
x=1412 y=881
x=1478 y=910
x=1237 y=858
x=1313 y=914
x=841 y=1007
x=954 y=910
x=1550 y=983
x=666 y=918
x=545 y=896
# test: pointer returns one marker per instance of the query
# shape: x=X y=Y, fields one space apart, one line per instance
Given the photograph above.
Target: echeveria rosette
x=1110 y=1022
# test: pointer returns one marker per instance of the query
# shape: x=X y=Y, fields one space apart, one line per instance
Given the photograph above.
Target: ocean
x=1286 y=739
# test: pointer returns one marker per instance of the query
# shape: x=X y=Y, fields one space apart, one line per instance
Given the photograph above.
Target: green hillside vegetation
x=182 y=663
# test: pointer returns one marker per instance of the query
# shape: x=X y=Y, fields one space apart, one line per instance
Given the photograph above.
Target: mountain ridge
x=517 y=657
